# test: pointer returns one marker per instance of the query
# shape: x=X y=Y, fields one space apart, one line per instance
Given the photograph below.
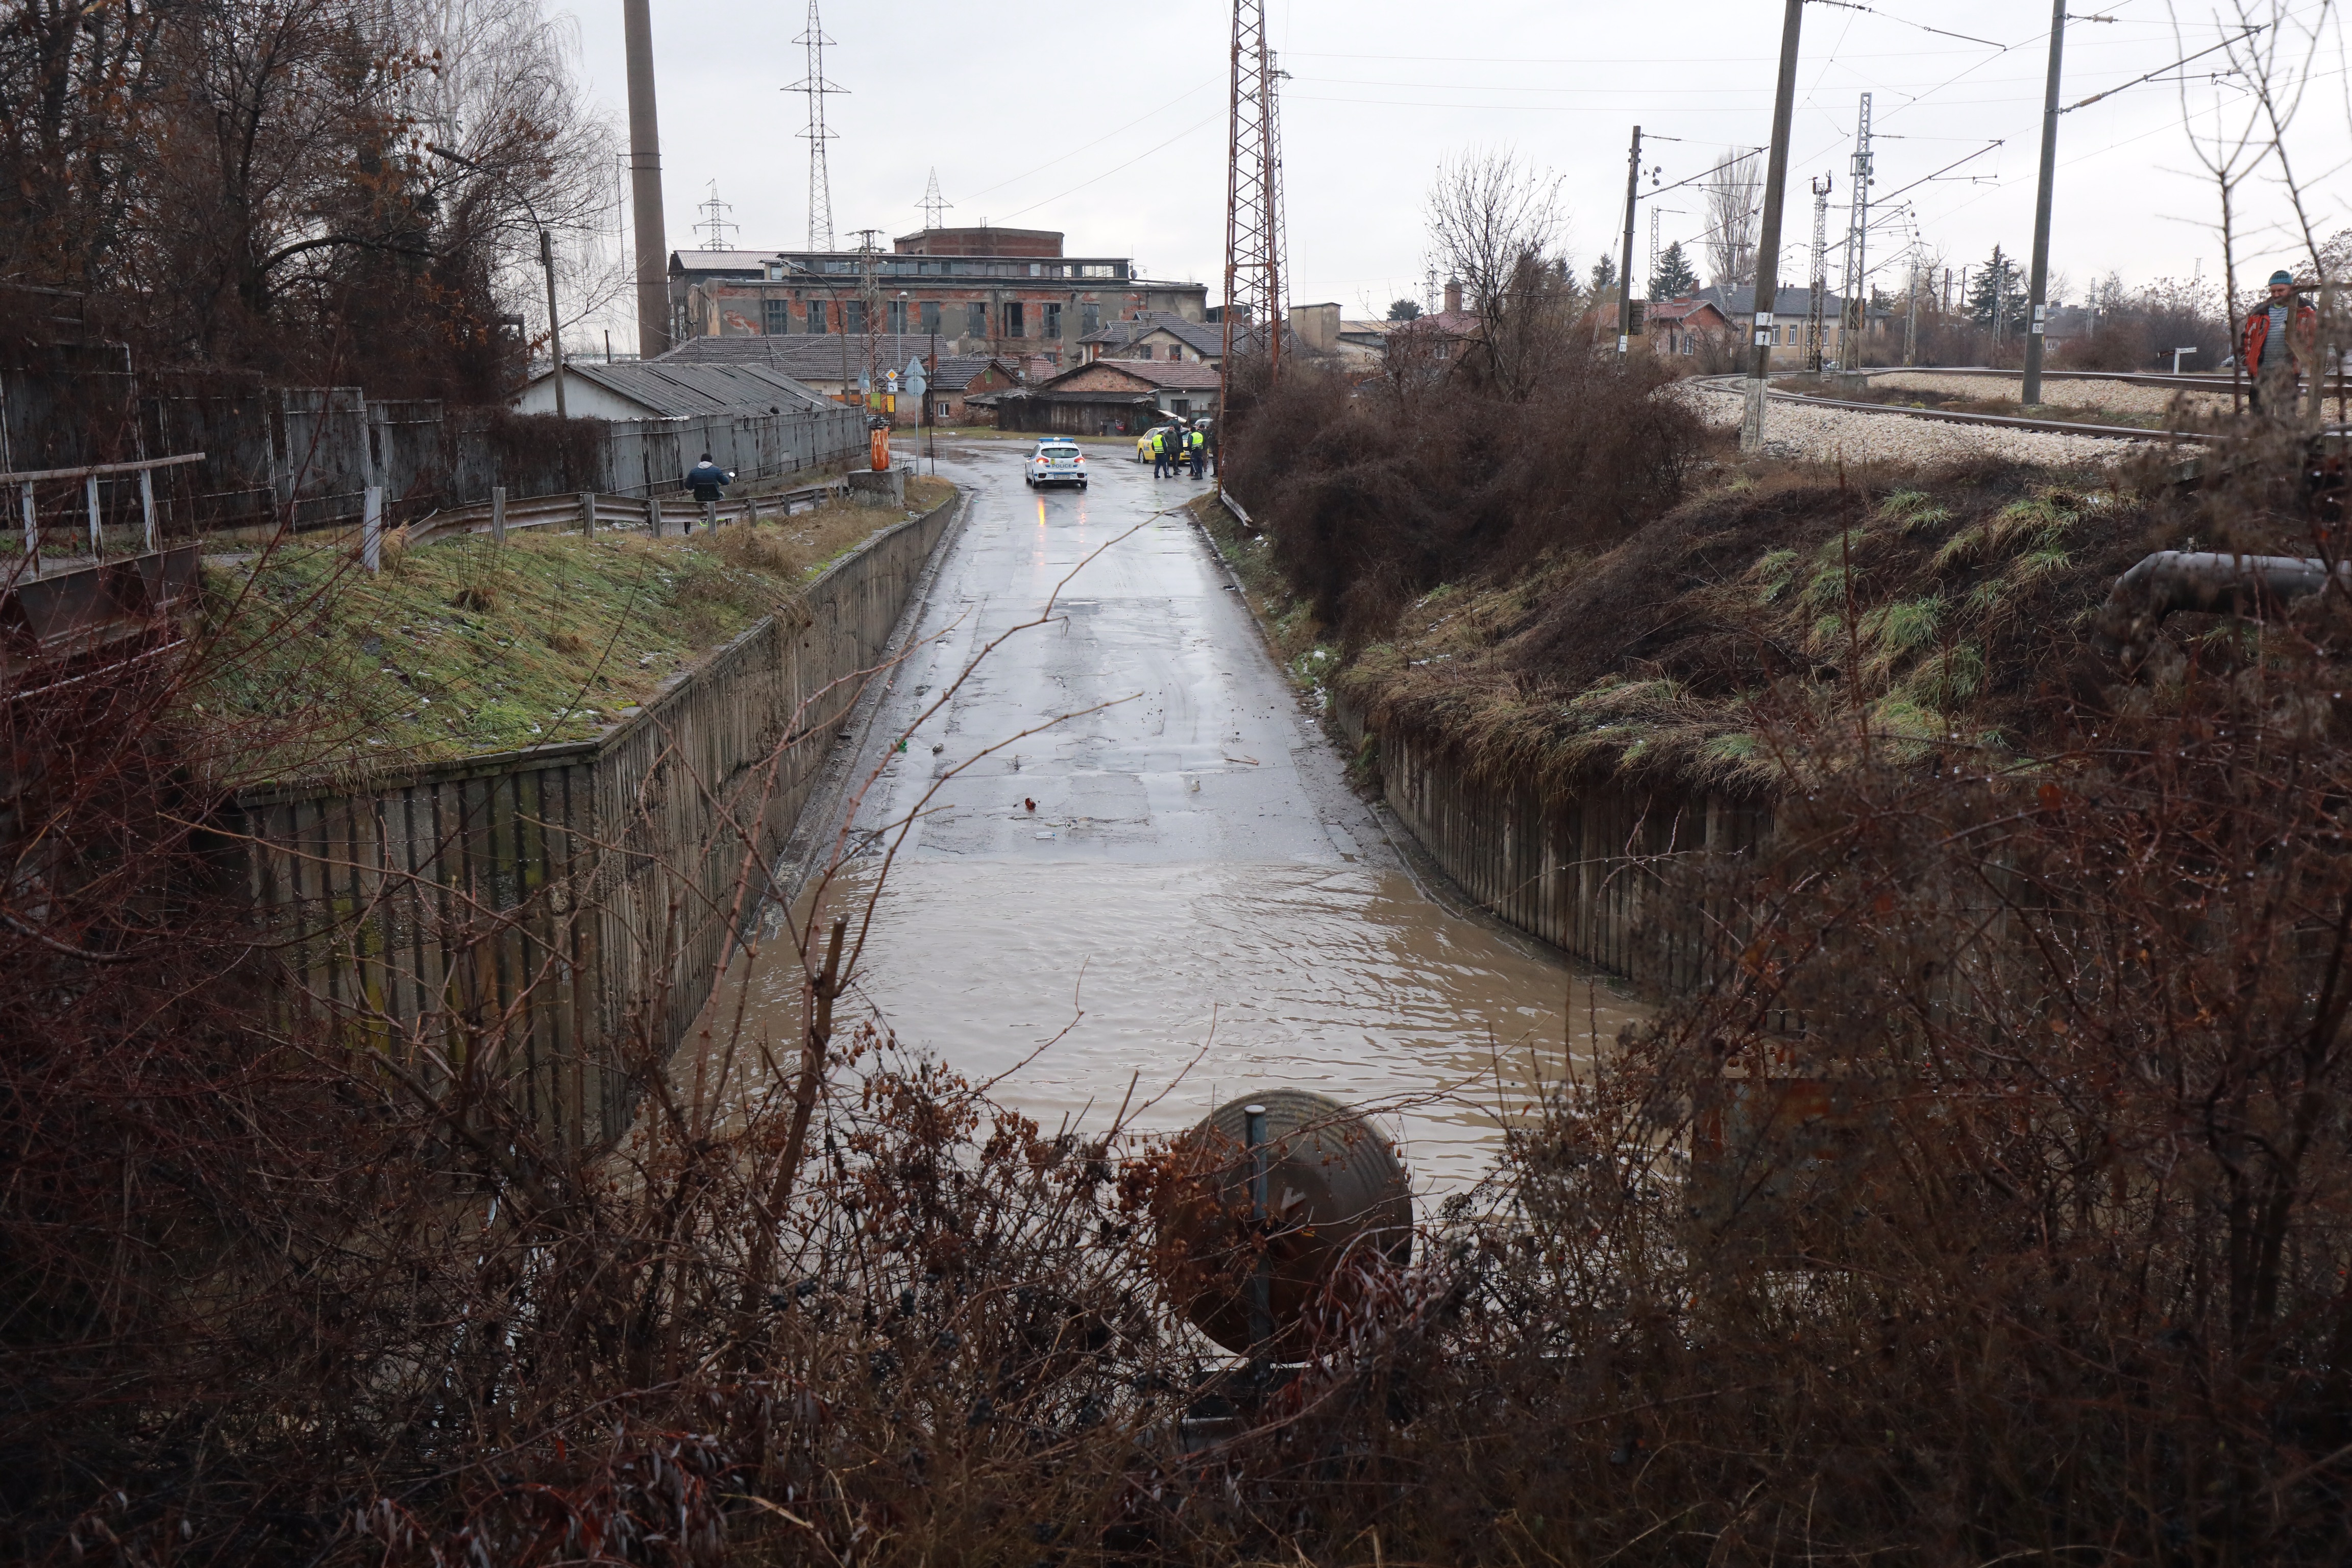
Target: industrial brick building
x=1008 y=293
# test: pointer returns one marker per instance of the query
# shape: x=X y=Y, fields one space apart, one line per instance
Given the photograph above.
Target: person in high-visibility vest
x=1196 y=446
x=1160 y=453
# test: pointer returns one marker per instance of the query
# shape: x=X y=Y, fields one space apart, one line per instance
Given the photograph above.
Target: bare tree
x=1495 y=222
x=1735 y=201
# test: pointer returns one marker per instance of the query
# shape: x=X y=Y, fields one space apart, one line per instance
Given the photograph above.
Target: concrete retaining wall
x=539 y=913
x=1589 y=874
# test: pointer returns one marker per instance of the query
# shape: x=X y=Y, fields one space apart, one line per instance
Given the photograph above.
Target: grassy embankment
x=465 y=646
x=1943 y=608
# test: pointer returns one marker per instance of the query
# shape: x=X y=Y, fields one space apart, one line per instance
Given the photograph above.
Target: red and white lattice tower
x=1254 y=260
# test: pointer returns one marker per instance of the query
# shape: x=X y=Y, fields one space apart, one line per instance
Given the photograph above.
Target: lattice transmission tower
x=1821 y=273
x=934 y=206
x=1253 y=258
x=1855 y=319
x=817 y=88
x=715 y=225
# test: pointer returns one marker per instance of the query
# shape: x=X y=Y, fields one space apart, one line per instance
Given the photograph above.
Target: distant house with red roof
x=1110 y=396
x=1678 y=327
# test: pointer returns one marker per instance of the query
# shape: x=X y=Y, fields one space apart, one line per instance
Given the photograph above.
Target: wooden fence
x=538 y=914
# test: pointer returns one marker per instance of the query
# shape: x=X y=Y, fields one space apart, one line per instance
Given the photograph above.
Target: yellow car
x=1143 y=442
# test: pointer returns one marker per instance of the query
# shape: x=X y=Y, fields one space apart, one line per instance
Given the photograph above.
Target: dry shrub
x=1374 y=498
x=2058 y=1270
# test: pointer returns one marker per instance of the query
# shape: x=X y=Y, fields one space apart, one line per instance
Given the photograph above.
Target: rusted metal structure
x=1253 y=258
x=1279 y=1194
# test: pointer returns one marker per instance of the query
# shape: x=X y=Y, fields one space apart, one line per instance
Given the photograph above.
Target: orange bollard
x=882 y=448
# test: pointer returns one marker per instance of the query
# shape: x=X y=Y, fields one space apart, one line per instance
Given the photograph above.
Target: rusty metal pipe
x=2207 y=581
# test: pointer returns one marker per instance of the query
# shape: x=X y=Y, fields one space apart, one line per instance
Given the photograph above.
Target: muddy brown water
x=1170 y=884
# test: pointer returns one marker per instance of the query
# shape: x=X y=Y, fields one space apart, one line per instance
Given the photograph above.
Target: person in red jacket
x=2278 y=332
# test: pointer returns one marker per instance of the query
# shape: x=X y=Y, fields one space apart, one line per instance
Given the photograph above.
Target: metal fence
x=308 y=455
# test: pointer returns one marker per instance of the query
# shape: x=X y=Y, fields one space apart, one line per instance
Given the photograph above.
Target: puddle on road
x=1339 y=979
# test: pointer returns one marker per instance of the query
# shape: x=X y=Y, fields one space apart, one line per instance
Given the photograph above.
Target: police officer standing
x=1160 y=453
x=1197 y=446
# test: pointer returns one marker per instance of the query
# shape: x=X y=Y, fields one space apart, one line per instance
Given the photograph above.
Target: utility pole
x=1768 y=251
x=1911 y=329
x=1626 y=268
x=645 y=183
x=2030 y=393
x=1853 y=320
x=869 y=305
x=1820 y=303
x=554 y=322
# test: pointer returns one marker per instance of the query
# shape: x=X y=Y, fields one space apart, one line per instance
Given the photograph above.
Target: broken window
x=930 y=315
x=1014 y=325
x=1053 y=320
x=1090 y=318
x=976 y=322
x=853 y=317
x=775 y=317
x=816 y=322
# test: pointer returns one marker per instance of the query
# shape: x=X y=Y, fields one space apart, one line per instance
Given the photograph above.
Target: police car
x=1056 y=463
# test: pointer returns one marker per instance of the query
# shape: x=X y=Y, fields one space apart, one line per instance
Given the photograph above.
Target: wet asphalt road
x=1196 y=901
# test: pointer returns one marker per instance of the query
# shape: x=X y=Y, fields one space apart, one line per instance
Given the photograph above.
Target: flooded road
x=1175 y=880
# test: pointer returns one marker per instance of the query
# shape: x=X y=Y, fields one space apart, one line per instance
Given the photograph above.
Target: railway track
x=1736 y=386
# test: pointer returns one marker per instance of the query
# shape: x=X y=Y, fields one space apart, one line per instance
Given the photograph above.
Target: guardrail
x=591 y=511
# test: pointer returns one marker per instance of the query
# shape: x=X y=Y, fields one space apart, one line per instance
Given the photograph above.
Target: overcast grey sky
x=1109 y=122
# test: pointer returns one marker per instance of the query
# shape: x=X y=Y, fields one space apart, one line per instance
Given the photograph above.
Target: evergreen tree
x=1674 y=277
x=1404 y=311
x=1605 y=275
x=1998 y=289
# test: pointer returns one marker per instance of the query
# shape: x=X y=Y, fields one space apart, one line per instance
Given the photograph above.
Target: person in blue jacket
x=708 y=482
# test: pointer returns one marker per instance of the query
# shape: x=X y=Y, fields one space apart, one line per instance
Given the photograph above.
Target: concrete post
x=2029 y=393
x=90 y=495
x=750 y=511
x=147 y=505
x=644 y=182
x=32 y=529
x=588 y=513
x=1625 y=268
x=372 y=530
x=554 y=324
x=652 y=517
x=499 y=513
x=1767 y=250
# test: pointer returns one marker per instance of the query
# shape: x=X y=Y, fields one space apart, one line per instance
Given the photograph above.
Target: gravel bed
x=1794 y=430
x=2117 y=396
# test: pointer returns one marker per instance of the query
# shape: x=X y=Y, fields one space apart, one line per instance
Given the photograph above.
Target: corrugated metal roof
x=817 y=356
x=674 y=390
x=723 y=260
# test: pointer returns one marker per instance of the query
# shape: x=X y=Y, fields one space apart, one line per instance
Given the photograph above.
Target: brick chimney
x=1452 y=295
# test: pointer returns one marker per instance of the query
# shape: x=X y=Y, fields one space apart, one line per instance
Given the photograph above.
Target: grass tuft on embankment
x=466 y=647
